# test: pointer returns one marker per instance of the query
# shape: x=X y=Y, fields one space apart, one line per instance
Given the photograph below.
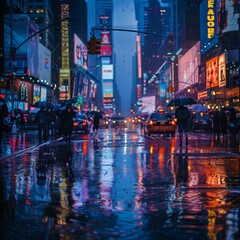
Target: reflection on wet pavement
x=124 y=186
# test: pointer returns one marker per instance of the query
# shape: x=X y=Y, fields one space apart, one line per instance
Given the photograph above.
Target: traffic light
x=91 y=44
x=94 y=46
x=98 y=46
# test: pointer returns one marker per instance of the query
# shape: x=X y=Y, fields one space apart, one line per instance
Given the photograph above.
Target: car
x=118 y=121
x=104 y=123
x=159 y=122
x=81 y=123
x=201 y=121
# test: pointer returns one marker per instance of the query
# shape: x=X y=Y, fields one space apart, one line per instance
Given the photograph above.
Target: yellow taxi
x=159 y=122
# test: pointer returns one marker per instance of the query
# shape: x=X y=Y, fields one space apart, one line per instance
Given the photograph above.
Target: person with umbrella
x=67 y=122
x=96 y=121
x=42 y=122
x=182 y=115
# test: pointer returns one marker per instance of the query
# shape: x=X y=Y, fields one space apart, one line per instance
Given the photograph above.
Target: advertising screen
x=188 y=67
x=222 y=70
x=36 y=93
x=19 y=35
x=43 y=93
x=107 y=71
x=33 y=50
x=80 y=53
x=107 y=88
x=44 y=64
x=212 y=73
x=148 y=104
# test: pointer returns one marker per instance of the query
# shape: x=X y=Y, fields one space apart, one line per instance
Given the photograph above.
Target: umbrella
x=230 y=109
x=2 y=101
x=43 y=104
x=199 y=108
x=69 y=101
x=181 y=101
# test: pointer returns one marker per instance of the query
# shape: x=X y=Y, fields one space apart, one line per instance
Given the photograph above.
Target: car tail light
x=196 y=121
x=151 y=122
x=172 y=122
x=84 y=122
x=75 y=124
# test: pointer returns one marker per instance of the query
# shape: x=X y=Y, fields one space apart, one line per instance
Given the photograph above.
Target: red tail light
x=151 y=122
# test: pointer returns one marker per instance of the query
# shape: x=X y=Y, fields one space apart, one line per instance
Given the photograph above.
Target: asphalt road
x=122 y=185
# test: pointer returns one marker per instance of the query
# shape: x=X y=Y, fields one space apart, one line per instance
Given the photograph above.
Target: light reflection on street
x=126 y=185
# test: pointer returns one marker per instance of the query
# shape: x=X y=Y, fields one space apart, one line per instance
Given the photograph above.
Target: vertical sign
x=64 y=76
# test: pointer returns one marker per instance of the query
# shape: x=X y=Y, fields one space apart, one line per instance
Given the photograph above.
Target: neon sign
x=210 y=19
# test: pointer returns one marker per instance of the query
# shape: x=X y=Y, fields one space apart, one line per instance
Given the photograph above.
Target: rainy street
x=126 y=186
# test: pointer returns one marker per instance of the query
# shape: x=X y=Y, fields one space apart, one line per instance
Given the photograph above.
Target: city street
x=123 y=185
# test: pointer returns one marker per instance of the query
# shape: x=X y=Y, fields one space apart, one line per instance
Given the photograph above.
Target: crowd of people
x=222 y=123
x=53 y=124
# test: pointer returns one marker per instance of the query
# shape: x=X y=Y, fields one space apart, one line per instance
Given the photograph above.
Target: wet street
x=125 y=186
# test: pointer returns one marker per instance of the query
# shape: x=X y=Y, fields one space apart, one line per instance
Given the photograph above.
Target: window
x=39 y=10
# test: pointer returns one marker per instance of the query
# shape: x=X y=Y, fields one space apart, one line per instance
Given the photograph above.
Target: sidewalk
x=15 y=143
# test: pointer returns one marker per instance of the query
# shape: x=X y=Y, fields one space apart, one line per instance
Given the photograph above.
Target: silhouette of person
x=183 y=115
x=42 y=122
x=96 y=121
x=3 y=114
x=67 y=118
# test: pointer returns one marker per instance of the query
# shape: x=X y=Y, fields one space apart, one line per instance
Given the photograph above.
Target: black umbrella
x=69 y=101
x=43 y=104
x=181 y=101
x=230 y=109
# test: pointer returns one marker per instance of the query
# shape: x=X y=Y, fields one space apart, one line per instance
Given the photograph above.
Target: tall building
x=41 y=12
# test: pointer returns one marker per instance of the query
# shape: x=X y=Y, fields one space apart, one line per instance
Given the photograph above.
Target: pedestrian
x=52 y=123
x=96 y=122
x=3 y=113
x=67 y=122
x=216 y=125
x=182 y=115
x=41 y=120
x=223 y=123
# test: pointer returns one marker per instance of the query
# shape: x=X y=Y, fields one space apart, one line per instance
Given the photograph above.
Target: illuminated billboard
x=148 y=104
x=222 y=70
x=106 y=47
x=212 y=73
x=26 y=54
x=44 y=64
x=107 y=71
x=36 y=93
x=208 y=24
x=33 y=49
x=188 y=67
x=80 y=53
x=107 y=86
